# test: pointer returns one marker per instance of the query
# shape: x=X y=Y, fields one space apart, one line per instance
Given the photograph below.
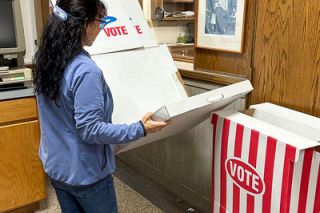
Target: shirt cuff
x=144 y=130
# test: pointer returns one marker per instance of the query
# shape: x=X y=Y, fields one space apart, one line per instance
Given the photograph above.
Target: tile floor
x=129 y=201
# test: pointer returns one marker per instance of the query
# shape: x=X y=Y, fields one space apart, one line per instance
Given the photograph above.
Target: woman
x=75 y=106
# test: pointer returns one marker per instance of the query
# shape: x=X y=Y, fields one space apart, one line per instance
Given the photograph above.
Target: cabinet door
x=22 y=179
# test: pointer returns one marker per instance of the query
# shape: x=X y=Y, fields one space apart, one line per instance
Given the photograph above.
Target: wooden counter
x=187 y=70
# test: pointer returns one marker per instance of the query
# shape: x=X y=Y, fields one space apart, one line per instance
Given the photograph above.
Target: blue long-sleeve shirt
x=77 y=136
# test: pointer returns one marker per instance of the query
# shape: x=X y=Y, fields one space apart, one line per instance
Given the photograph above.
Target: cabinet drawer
x=19 y=109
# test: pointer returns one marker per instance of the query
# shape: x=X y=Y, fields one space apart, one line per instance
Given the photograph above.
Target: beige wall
x=167 y=34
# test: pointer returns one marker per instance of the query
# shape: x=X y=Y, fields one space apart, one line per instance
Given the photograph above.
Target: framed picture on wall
x=220 y=25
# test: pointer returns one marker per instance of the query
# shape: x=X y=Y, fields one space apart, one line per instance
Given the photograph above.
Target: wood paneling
x=22 y=177
x=17 y=110
x=287 y=54
x=233 y=63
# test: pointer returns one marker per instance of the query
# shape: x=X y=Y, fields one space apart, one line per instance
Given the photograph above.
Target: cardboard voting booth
x=142 y=76
x=265 y=161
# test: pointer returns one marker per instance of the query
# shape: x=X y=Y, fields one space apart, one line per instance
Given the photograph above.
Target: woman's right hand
x=152 y=126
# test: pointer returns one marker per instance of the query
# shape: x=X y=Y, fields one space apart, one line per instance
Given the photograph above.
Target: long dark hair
x=61 y=42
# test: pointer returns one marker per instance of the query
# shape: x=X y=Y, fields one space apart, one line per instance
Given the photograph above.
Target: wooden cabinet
x=183 y=53
x=22 y=180
x=173 y=10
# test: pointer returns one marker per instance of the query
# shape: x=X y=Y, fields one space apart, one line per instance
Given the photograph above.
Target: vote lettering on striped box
x=266 y=161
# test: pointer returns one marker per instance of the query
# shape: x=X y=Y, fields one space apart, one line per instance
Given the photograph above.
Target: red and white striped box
x=261 y=167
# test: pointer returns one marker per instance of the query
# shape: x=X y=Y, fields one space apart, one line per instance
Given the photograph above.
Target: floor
x=132 y=189
x=129 y=201
x=148 y=188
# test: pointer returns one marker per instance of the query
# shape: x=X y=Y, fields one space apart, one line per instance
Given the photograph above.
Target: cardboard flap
x=282 y=135
x=191 y=111
x=218 y=97
x=291 y=120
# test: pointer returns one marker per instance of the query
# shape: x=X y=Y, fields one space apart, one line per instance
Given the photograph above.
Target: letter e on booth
x=245 y=176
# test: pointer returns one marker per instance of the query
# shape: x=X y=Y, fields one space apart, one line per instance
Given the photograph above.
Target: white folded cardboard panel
x=141 y=80
x=191 y=111
x=119 y=34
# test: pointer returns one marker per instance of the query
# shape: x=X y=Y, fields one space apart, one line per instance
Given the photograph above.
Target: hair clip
x=60 y=13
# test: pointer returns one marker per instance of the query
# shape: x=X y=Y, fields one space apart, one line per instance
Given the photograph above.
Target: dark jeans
x=99 y=197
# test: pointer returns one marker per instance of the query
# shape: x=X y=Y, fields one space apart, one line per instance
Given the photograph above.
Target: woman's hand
x=152 y=126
